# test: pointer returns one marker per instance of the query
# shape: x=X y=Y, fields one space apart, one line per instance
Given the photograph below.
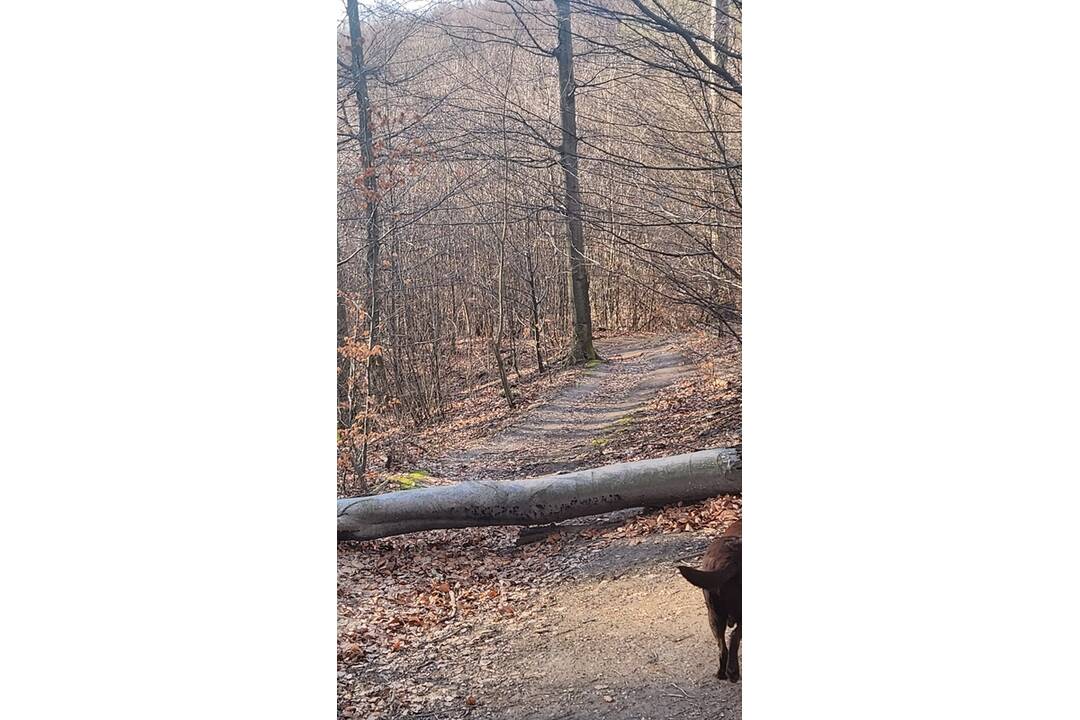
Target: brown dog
x=720 y=578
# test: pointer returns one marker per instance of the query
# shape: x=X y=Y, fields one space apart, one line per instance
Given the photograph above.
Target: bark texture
x=581 y=348
x=647 y=483
x=371 y=195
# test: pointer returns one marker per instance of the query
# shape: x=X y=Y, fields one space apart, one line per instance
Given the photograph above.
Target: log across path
x=646 y=483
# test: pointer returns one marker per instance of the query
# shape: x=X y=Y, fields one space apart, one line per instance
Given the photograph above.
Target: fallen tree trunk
x=647 y=483
x=539 y=533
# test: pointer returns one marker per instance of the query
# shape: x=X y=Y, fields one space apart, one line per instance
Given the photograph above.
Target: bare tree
x=515 y=175
x=582 y=348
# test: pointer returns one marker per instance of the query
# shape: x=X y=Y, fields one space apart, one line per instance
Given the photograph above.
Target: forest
x=539 y=281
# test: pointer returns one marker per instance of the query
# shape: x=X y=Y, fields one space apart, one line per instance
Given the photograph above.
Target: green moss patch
x=410 y=479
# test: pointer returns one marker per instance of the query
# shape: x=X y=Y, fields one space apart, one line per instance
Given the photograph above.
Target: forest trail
x=622 y=637
x=596 y=623
x=558 y=435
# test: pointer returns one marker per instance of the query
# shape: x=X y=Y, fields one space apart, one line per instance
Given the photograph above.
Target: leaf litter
x=428 y=622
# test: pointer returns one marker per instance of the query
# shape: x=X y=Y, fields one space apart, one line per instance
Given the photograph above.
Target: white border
x=166 y=287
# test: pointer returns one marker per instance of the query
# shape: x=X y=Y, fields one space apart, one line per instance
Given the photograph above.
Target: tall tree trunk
x=497 y=332
x=534 y=305
x=496 y=341
x=371 y=201
x=344 y=364
x=581 y=347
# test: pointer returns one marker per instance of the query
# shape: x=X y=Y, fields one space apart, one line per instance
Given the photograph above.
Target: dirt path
x=623 y=638
x=556 y=436
x=603 y=629
x=600 y=627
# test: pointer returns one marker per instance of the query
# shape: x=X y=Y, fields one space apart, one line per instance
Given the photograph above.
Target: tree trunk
x=648 y=483
x=497 y=331
x=534 y=306
x=344 y=368
x=581 y=348
x=371 y=200
x=500 y=364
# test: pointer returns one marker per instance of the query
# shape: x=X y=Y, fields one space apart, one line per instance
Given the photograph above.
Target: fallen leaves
x=423 y=618
x=397 y=618
x=703 y=411
x=439 y=584
x=473 y=412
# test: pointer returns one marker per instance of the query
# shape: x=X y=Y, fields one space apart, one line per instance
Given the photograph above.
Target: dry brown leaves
x=401 y=597
x=470 y=415
x=711 y=515
x=420 y=581
x=404 y=600
x=702 y=412
x=411 y=604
